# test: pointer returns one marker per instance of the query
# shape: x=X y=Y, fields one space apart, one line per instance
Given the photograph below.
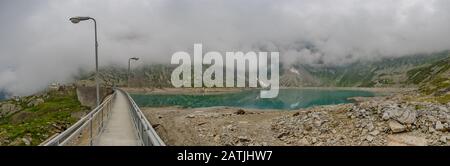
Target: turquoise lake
x=287 y=99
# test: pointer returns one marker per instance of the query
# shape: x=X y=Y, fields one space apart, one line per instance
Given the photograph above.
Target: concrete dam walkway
x=119 y=129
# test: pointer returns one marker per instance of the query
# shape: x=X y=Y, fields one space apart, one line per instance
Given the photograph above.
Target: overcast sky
x=38 y=44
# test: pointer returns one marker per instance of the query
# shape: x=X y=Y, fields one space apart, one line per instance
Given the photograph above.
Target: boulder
x=431 y=129
x=406 y=140
x=35 y=102
x=396 y=127
x=190 y=116
x=317 y=123
x=386 y=116
x=243 y=139
x=443 y=139
x=370 y=126
x=240 y=112
x=313 y=140
x=283 y=134
x=8 y=109
x=407 y=117
x=438 y=126
x=402 y=115
x=374 y=133
x=304 y=142
x=26 y=141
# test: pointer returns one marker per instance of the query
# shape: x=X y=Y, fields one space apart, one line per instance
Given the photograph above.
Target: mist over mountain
x=3 y=95
x=408 y=71
x=38 y=45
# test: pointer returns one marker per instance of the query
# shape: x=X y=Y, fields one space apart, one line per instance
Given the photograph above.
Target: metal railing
x=87 y=129
x=145 y=131
x=84 y=131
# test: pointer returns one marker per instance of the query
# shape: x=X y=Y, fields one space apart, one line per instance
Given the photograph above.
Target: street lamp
x=76 y=20
x=129 y=61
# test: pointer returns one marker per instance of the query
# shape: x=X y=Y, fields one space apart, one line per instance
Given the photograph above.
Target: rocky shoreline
x=392 y=120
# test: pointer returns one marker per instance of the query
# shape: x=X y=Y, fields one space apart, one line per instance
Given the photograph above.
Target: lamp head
x=78 y=19
x=135 y=58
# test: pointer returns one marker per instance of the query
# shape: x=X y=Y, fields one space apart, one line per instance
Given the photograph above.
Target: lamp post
x=128 y=75
x=76 y=20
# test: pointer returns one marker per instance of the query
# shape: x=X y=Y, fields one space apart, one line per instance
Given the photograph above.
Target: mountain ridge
x=403 y=72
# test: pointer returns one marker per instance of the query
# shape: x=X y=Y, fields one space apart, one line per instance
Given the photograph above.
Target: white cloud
x=39 y=45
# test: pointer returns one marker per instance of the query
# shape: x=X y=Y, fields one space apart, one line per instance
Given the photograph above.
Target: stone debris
x=371 y=122
x=379 y=121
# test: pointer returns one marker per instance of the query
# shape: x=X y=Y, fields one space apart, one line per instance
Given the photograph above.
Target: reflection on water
x=287 y=99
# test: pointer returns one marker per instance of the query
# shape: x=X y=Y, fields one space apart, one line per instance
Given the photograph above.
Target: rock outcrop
x=9 y=108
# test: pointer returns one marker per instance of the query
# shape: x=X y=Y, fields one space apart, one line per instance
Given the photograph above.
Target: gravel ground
x=377 y=121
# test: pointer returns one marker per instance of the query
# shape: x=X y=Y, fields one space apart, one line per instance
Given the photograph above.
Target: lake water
x=287 y=99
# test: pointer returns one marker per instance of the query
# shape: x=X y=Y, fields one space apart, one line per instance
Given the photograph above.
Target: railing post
x=101 y=125
x=109 y=109
x=90 y=132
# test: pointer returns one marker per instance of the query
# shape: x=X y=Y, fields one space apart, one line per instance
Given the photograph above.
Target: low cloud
x=38 y=44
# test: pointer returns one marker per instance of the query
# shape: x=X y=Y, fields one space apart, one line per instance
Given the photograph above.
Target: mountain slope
x=297 y=76
x=385 y=73
x=433 y=78
x=407 y=71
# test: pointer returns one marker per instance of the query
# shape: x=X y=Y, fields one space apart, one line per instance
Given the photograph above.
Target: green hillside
x=393 y=72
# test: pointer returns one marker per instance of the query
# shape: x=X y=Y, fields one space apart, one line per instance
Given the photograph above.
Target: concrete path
x=119 y=129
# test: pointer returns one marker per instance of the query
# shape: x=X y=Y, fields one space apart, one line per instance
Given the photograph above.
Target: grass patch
x=419 y=107
x=443 y=99
x=435 y=85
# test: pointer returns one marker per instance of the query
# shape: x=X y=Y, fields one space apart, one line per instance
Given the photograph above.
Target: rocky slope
x=297 y=76
x=29 y=120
